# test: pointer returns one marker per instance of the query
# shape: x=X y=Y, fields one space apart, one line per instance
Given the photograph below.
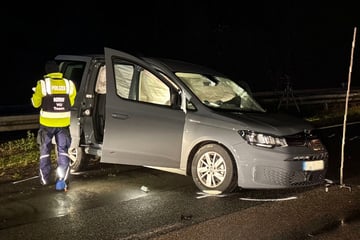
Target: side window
x=140 y=85
x=73 y=71
x=123 y=77
x=153 y=90
x=100 y=86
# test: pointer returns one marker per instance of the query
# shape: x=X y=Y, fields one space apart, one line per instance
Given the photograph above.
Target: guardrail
x=20 y=122
x=303 y=100
x=321 y=99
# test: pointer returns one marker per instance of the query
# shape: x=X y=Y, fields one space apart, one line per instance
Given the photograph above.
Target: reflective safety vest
x=55 y=95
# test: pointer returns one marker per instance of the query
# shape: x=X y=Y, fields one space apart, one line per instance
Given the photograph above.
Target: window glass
x=100 y=86
x=141 y=86
x=123 y=78
x=219 y=92
x=73 y=71
x=153 y=90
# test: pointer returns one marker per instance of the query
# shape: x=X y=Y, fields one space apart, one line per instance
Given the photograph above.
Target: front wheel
x=213 y=170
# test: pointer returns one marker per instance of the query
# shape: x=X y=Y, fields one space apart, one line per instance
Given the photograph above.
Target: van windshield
x=220 y=92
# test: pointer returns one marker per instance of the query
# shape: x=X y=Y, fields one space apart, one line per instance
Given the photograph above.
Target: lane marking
x=268 y=199
x=26 y=179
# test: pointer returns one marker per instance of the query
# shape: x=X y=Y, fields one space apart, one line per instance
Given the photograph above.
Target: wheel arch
x=203 y=143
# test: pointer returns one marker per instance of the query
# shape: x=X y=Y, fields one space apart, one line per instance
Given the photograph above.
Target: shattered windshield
x=220 y=92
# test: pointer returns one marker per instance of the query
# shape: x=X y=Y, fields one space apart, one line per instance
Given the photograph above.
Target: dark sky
x=256 y=42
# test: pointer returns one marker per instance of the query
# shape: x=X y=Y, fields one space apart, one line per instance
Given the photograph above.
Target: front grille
x=296 y=139
x=284 y=178
x=305 y=140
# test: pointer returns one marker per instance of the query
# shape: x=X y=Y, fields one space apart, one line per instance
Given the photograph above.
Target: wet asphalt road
x=107 y=202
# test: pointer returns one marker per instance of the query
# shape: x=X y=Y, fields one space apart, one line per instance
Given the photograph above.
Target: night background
x=257 y=42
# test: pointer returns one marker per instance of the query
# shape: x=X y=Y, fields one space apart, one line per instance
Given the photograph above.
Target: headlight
x=262 y=139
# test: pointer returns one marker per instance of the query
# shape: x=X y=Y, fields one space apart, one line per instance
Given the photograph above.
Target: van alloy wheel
x=213 y=169
x=78 y=158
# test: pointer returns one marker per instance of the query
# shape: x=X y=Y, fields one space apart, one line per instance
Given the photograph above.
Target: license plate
x=313 y=165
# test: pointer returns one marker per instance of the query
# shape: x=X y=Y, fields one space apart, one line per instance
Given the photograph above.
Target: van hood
x=271 y=123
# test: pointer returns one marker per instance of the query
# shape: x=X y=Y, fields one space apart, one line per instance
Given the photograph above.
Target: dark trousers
x=63 y=140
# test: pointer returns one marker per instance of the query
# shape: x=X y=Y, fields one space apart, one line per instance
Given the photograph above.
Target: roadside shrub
x=19 y=152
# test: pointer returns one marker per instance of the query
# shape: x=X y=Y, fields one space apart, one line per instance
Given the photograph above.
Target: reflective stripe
x=43 y=180
x=67 y=85
x=67 y=173
x=71 y=88
x=55 y=114
x=44 y=156
x=43 y=87
x=48 y=85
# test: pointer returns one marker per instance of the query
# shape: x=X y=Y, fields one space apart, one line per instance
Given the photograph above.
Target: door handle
x=120 y=116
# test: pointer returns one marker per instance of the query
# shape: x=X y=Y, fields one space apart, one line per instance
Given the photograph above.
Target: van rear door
x=141 y=126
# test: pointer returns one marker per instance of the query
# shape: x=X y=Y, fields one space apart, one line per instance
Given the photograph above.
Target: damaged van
x=187 y=119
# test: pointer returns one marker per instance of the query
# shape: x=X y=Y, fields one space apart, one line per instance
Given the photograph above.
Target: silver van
x=187 y=119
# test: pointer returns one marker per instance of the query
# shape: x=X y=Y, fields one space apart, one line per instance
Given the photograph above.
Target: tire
x=78 y=159
x=213 y=170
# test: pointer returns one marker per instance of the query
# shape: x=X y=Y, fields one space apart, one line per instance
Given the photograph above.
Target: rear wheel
x=213 y=170
x=78 y=158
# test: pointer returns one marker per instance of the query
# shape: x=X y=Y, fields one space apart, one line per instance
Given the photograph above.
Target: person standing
x=54 y=95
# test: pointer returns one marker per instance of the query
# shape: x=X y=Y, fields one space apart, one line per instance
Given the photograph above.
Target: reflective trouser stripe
x=68 y=168
x=42 y=178
x=44 y=156
x=67 y=173
x=62 y=174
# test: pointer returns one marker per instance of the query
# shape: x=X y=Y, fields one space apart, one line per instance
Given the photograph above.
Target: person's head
x=51 y=66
